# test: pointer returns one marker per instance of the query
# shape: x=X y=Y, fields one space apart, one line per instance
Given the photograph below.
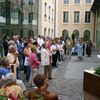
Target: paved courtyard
x=68 y=77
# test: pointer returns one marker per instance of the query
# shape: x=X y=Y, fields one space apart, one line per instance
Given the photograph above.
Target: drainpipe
x=55 y=20
x=94 y=31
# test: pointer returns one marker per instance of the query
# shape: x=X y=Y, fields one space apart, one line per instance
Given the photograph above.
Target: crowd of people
x=29 y=54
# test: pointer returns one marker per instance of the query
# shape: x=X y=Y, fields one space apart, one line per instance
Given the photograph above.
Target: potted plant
x=97 y=70
x=91 y=81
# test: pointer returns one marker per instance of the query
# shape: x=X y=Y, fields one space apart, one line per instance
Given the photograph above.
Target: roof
x=95 y=5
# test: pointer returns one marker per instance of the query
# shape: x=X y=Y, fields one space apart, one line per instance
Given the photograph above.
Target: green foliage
x=97 y=70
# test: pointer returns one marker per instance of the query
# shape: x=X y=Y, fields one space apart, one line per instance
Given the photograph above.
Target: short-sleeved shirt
x=4 y=71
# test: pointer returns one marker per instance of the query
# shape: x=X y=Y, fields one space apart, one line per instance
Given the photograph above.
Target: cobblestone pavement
x=68 y=77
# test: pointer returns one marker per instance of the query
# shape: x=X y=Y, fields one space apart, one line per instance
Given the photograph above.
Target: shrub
x=97 y=70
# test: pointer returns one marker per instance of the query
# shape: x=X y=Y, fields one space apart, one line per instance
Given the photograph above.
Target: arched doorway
x=65 y=34
x=86 y=35
x=75 y=35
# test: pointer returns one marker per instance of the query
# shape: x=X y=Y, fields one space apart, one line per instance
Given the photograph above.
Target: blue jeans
x=27 y=72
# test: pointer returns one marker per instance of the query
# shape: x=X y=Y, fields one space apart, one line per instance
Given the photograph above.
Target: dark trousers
x=54 y=60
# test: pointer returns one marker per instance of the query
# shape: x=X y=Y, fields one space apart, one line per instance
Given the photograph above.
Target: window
x=30 y=2
x=65 y=1
x=65 y=16
x=87 y=17
x=76 y=16
x=30 y=17
x=88 y=1
x=2 y=9
x=52 y=15
x=49 y=12
x=45 y=10
x=76 y=1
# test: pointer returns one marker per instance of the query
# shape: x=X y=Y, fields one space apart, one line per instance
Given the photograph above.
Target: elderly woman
x=5 y=70
x=13 y=59
x=10 y=89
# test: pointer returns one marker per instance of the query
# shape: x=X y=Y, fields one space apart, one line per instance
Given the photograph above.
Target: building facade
x=46 y=18
x=74 y=19
x=18 y=17
x=96 y=11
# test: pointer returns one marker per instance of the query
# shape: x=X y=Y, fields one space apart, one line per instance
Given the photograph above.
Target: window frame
x=88 y=18
x=65 y=3
x=77 y=3
x=75 y=22
x=68 y=14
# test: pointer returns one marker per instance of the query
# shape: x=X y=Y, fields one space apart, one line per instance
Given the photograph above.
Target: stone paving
x=68 y=77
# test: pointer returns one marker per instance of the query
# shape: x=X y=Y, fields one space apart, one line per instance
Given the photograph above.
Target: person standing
x=34 y=64
x=88 y=48
x=80 y=50
x=13 y=59
x=45 y=61
x=5 y=45
x=69 y=45
x=26 y=53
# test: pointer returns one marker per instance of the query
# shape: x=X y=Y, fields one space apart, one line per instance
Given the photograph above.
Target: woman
x=10 y=89
x=45 y=61
x=13 y=59
x=26 y=53
x=34 y=64
x=80 y=50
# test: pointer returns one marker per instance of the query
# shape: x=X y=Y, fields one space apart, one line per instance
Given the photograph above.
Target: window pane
x=87 y=17
x=65 y=17
x=30 y=17
x=77 y=1
x=30 y=2
x=76 y=16
x=65 y=1
x=88 y=1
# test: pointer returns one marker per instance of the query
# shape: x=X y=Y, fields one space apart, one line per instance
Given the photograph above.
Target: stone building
x=74 y=19
x=96 y=11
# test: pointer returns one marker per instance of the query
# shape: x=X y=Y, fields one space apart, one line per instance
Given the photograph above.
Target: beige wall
x=72 y=26
x=45 y=22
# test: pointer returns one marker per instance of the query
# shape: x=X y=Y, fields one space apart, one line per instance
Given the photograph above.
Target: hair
x=10 y=77
x=33 y=48
x=39 y=80
x=4 y=61
x=11 y=49
x=26 y=44
x=43 y=45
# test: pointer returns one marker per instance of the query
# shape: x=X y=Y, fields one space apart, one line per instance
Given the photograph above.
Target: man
x=69 y=45
x=41 y=92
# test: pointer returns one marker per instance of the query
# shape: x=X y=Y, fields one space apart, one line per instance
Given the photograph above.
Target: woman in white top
x=45 y=61
x=54 y=54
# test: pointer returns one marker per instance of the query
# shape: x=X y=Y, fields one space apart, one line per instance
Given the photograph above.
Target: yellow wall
x=71 y=26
